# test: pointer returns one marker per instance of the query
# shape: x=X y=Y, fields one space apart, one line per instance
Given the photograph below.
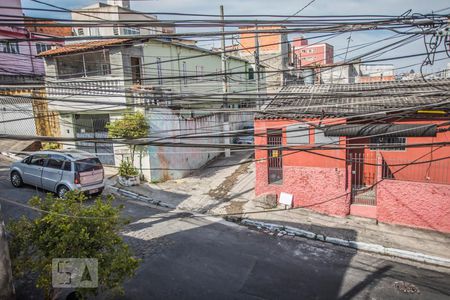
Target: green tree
x=130 y=126
x=50 y=146
x=68 y=228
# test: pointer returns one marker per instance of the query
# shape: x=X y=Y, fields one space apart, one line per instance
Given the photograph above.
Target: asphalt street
x=194 y=257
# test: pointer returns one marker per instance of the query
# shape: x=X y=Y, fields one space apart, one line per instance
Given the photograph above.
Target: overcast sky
x=287 y=7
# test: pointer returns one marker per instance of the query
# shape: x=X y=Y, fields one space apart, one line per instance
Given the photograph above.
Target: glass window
x=67 y=165
x=9 y=47
x=37 y=160
x=131 y=31
x=251 y=74
x=392 y=143
x=81 y=65
x=42 y=47
x=88 y=164
x=54 y=163
x=95 y=62
x=70 y=66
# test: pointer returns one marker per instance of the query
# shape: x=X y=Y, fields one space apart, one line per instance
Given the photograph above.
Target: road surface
x=188 y=257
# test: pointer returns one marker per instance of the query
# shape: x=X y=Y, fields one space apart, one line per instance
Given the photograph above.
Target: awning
x=395 y=130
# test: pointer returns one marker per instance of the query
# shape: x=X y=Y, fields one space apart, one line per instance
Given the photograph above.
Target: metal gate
x=275 y=158
x=363 y=178
x=94 y=126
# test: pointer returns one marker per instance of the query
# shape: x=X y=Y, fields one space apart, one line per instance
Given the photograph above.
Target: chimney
x=121 y=3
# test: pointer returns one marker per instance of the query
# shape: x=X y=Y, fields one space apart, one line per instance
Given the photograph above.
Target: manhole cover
x=406 y=287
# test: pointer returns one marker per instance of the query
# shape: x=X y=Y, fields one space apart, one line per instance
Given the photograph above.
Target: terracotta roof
x=81 y=47
x=296 y=101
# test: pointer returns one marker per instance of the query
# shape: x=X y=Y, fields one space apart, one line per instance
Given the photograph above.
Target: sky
x=288 y=7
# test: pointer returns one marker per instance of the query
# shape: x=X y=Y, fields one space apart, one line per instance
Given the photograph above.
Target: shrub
x=126 y=169
x=50 y=146
x=68 y=228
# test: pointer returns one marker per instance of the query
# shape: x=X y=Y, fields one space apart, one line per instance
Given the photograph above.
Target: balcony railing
x=92 y=87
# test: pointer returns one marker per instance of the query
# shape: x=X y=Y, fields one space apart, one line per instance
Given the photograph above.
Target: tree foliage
x=70 y=228
x=131 y=126
x=50 y=146
x=126 y=169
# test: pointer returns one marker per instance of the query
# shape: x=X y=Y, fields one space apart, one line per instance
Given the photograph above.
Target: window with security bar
x=274 y=156
x=388 y=143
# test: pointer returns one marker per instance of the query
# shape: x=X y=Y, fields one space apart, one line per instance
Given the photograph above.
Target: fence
x=365 y=167
x=363 y=177
x=437 y=171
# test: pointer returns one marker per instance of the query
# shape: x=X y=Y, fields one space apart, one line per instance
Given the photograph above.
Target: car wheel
x=62 y=190
x=97 y=194
x=16 y=179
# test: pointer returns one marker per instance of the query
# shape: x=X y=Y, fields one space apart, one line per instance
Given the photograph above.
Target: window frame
x=55 y=157
x=43 y=157
x=401 y=145
x=10 y=47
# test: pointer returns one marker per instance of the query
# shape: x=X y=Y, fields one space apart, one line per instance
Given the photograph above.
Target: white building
x=119 y=13
x=93 y=83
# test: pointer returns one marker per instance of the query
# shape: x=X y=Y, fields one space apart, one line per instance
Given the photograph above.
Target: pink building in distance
x=17 y=52
x=315 y=54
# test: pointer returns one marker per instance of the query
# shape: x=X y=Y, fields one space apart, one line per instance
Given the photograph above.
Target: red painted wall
x=309 y=176
x=416 y=204
x=320 y=189
x=320 y=183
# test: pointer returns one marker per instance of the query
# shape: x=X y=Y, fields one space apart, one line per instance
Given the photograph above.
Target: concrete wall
x=176 y=162
x=417 y=204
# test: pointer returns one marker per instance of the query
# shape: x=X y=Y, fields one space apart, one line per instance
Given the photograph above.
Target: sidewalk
x=356 y=229
x=204 y=190
x=230 y=190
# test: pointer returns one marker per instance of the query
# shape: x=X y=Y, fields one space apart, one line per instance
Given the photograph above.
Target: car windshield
x=88 y=164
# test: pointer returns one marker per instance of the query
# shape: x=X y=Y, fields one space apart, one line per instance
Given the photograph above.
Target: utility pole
x=258 y=75
x=6 y=280
x=226 y=124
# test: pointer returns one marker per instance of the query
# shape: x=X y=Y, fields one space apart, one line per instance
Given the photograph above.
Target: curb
x=11 y=156
x=369 y=247
x=374 y=248
x=139 y=197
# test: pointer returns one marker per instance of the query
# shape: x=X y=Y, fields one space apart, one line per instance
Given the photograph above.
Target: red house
x=376 y=150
